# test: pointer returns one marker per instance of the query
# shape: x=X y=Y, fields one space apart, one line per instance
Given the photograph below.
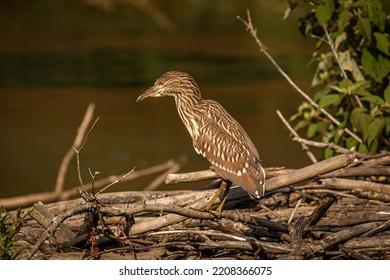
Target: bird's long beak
x=149 y=93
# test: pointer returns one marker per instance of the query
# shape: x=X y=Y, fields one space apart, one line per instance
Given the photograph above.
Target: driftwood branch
x=309 y=172
x=355 y=185
x=54 y=226
x=209 y=174
x=285 y=178
x=364 y=170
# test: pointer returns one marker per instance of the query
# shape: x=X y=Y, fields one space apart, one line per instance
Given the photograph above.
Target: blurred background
x=58 y=56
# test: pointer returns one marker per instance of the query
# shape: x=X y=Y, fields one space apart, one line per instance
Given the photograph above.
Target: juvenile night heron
x=215 y=134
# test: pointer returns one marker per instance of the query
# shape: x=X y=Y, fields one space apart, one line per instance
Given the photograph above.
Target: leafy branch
x=352 y=77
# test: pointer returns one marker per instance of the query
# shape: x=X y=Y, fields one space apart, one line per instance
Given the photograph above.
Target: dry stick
x=26 y=200
x=362 y=170
x=332 y=239
x=77 y=150
x=353 y=185
x=191 y=213
x=291 y=177
x=209 y=174
x=201 y=199
x=380 y=228
x=253 y=31
x=54 y=226
x=346 y=234
x=294 y=211
x=20 y=201
x=328 y=145
x=191 y=177
x=117 y=180
x=43 y=218
x=304 y=146
x=76 y=144
x=123 y=178
x=336 y=56
x=214 y=233
x=310 y=171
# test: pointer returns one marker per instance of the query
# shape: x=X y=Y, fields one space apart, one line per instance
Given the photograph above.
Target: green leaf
x=311 y=130
x=363 y=148
x=382 y=43
x=328 y=100
x=374 y=147
x=337 y=135
x=344 y=18
x=387 y=125
x=373 y=99
x=323 y=13
x=321 y=92
x=300 y=125
x=350 y=64
x=350 y=143
x=386 y=95
x=365 y=27
x=377 y=67
x=374 y=129
x=328 y=153
x=376 y=13
x=360 y=120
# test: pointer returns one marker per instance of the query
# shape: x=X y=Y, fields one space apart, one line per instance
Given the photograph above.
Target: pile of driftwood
x=334 y=209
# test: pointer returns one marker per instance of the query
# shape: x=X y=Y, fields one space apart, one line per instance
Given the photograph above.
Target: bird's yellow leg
x=215 y=196
x=224 y=187
x=224 y=197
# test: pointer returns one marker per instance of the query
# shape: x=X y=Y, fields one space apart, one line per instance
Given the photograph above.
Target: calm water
x=58 y=56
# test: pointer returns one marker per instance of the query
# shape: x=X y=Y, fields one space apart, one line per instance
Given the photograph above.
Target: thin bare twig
x=117 y=180
x=332 y=146
x=56 y=223
x=76 y=144
x=253 y=31
x=132 y=176
x=304 y=146
x=78 y=149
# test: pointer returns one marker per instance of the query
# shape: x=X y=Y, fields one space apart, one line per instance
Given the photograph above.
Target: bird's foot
x=217 y=212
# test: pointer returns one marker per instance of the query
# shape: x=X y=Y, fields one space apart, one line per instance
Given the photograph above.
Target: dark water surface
x=58 y=56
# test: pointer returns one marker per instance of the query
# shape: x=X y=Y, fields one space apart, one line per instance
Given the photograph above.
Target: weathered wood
x=309 y=172
x=44 y=218
x=277 y=178
x=209 y=174
x=247 y=228
x=348 y=184
x=363 y=170
x=334 y=224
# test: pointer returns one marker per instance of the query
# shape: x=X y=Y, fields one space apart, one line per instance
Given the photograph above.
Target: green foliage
x=9 y=227
x=352 y=77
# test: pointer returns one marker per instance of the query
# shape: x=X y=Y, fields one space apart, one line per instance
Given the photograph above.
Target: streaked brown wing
x=228 y=148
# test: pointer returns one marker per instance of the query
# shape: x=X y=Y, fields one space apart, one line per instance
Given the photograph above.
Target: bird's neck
x=189 y=113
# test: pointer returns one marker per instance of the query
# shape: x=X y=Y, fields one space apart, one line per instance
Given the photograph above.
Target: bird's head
x=173 y=83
